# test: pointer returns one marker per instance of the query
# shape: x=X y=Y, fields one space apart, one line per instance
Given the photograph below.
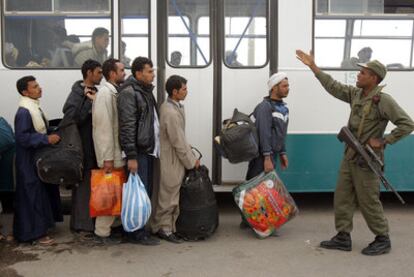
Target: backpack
x=62 y=163
x=198 y=217
x=238 y=140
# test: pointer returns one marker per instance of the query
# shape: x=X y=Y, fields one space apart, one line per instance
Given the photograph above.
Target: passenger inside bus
x=231 y=59
x=94 y=49
x=364 y=55
x=175 y=59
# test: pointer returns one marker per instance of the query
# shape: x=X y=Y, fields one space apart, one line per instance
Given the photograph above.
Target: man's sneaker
x=342 y=241
x=171 y=237
x=381 y=245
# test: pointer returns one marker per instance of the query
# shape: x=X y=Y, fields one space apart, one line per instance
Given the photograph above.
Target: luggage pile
x=265 y=203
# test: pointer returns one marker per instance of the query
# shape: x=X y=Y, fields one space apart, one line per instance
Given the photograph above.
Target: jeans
x=145 y=172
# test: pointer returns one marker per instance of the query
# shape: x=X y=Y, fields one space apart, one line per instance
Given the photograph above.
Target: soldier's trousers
x=358 y=187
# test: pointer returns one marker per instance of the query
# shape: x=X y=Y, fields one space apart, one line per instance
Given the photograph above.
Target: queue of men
x=121 y=127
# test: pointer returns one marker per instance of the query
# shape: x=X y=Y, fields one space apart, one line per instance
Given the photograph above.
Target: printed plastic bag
x=106 y=192
x=265 y=203
x=136 y=205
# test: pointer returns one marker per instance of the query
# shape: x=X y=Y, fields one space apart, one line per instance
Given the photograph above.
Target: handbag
x=106 y=192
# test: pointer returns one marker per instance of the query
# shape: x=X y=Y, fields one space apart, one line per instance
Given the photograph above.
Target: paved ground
x=230 y=252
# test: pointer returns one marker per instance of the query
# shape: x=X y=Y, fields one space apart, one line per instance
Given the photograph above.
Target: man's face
x=95 y=76
x=180 y=94
x=282 y=89
x=102 y=42
x=365 y=78
x=33 y=90
x=119 y=76
x=147 y=75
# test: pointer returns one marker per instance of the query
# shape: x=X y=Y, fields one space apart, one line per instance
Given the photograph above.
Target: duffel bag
x=238 y=140
x=62 y=163
x=198 y=217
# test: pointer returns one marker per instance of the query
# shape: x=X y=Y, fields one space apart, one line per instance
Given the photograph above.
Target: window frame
x=349 y=37
x=120 y=35
x=267 y=37
x=167 y=61
x=70 y=14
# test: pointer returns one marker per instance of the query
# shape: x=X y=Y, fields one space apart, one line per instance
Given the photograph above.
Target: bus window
x=188 y=33
x=135 y=16
x=49 y=34
x=357 y=31
x=245 y=33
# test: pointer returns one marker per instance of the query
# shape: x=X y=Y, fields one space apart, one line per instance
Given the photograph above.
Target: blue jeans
x=145 y=172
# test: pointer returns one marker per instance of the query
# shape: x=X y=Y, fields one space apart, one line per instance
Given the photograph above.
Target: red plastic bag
x=106 y=192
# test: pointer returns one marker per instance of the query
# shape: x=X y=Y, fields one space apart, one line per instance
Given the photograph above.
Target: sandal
x=46 y=240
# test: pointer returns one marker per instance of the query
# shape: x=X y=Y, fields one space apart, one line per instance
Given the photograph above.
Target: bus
x=227 y=49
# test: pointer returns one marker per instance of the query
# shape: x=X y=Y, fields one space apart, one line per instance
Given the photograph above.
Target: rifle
x=368 y=154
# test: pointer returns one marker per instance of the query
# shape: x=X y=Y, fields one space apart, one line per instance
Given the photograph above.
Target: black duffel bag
x=198 y=217
x=238 y=140
x=62 y=163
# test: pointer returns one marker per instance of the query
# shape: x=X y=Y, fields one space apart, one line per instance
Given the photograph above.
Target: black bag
x=198 y=217
x=238 y=140
x=62 y=163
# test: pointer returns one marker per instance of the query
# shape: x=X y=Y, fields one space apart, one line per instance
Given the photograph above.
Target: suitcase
x=198 y=217
x=265 y=203
x=62 y=163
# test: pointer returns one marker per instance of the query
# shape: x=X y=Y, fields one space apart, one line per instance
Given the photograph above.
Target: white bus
x=227 y=49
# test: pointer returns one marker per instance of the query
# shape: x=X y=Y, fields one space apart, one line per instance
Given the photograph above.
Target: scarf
x=38 y=118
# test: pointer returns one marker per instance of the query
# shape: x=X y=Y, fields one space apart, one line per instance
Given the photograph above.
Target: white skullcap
x=275 y=79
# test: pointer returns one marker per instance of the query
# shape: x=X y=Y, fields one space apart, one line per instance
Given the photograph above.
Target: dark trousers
x=256 y=166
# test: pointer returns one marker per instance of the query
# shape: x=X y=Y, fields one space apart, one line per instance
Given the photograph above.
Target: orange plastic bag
x=106 y=192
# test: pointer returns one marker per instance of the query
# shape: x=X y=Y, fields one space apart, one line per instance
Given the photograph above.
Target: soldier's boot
x=342 y=241
x=381 y=245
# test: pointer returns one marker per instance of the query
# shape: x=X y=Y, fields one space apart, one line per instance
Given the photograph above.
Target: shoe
x=381 y=245
x=111 y=240
x=169 y=237
x=342 y=241
x=144 y=239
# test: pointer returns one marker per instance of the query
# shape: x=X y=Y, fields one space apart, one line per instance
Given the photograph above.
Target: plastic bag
x=106 y=192
x=136 y=205
x=265 y=203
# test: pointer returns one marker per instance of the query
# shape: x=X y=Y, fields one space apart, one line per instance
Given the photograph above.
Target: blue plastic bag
x=136 y=205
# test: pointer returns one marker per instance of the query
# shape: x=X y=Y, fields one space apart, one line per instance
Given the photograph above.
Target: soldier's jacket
x=382 y=109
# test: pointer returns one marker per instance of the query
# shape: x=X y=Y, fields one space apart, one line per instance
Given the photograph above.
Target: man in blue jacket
x=272 y=118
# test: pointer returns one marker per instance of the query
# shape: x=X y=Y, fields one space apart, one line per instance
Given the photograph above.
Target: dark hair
x=174 y=82
x=108 y=66
x=23 y=83
x=372 y=73
x=99 y=32
x=139 y=63
x=89 y=65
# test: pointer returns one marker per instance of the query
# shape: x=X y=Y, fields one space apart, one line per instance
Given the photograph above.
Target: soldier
x=357 y=185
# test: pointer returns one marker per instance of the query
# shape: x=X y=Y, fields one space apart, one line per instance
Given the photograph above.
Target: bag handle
x=198 y=151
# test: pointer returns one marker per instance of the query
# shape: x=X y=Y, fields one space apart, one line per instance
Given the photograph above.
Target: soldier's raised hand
x=307 y=59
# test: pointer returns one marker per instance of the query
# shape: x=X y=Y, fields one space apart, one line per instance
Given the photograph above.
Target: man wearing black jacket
x=139 y=130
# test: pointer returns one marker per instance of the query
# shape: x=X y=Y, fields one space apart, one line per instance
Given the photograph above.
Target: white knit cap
x=275 y=79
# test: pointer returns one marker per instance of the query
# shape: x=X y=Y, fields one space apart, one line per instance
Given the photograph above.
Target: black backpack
x=62 y=163
x=198 y=217
x=238 y=140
